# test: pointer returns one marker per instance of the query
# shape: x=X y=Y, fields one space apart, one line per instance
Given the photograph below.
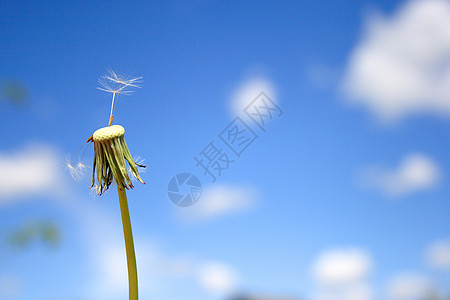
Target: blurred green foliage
x=41 y=231
x=14 y=91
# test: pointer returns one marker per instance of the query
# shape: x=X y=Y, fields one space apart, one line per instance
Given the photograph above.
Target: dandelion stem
x=129 y=245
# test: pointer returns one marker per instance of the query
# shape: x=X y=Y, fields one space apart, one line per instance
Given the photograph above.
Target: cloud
x=248 y=91
x=360 y=291
x=103 y=238
x=34 y=170
x=219 y=200
x=416 y=172
x=341 y=266
x=438 y=255
x=217 y=278
x=408 y=286
x=342 y=274
x=401 y=66
x=113 y=269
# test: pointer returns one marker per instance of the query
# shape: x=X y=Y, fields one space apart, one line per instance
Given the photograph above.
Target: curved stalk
x=129 y=245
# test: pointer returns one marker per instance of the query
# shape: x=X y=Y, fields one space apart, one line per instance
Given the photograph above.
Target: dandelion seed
x=139 y=161
x=117 y=84
x=93 y=192
x=75 y=170
x=81 y=166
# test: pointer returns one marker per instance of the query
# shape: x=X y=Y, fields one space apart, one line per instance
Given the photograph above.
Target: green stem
x=129 y=245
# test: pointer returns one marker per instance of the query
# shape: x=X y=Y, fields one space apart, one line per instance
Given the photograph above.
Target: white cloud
x=34 y=170
x=342 y=266
x=359 y=291
x=218 y=278
x=416 y=172
x=218 y=200
x=248 y=91
x=408 y=286
x=402 y=64
x=438 y=255
x=113 y=269
x=105 y=248
x=343 y=274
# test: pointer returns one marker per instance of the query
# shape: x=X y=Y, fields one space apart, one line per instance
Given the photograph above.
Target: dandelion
x=111 y=155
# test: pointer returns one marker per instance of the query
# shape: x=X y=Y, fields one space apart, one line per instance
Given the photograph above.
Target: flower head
x=111 y=151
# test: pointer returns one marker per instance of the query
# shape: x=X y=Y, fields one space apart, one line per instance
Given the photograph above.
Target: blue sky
x=344 y=196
